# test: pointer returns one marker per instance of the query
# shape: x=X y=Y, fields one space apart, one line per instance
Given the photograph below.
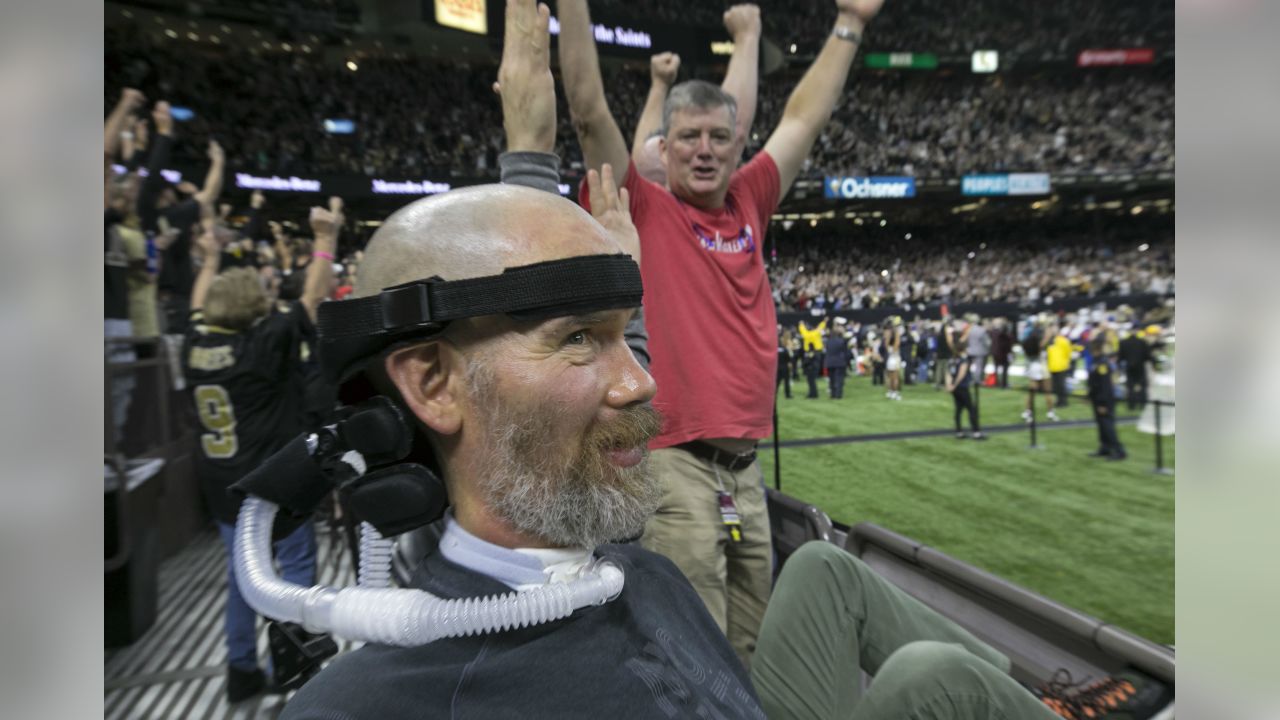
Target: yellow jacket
x=1058 y=354
x=812 y=338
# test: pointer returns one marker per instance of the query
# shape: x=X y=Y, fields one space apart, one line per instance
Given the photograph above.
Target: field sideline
x=1092 y=534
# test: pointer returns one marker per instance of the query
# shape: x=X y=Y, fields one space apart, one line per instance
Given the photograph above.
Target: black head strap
x=352 y=330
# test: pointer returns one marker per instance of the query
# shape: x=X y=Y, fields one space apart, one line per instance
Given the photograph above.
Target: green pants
x=732 y=578
x=831 y=615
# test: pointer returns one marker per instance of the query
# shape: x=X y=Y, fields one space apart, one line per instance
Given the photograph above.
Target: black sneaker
x=1128 y=695
x=1100 y=453
x=244 y=684
x=1117 y=456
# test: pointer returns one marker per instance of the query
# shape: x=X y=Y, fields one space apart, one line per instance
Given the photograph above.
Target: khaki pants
x=732 y=578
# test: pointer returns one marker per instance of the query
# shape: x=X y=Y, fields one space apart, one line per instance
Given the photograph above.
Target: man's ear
x=662 y=150
x=422 y=374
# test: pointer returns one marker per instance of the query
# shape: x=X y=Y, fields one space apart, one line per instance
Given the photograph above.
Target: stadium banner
x=631 y=34
x=1006 y=184
x=347 y=186
x=468 y=15
x=864 y=188
x=902 y=60
x=1125 y=56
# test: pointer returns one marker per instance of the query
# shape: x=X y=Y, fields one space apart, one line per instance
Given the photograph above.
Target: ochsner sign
x=861 y=188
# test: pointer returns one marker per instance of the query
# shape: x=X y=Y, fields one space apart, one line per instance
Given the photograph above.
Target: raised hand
x=864 y=10
x=524 y=78
x=132 y=99
x=742 y=20
x=216 y=154
x=664 y=67
x=257 y=200
x=611 y=207
x=327 y=222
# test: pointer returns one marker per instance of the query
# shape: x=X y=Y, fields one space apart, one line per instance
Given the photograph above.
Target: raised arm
x=742 y=79
x=598 y=132
x=211 y=252
x=326 y=224
x=811 y=103
x=159 y=156
x=213 y=179
x=130 y=100
x=663 y=69
x=525 y=83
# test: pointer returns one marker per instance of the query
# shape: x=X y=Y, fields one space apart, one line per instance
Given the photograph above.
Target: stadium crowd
x=854 y=270
x=887 y=124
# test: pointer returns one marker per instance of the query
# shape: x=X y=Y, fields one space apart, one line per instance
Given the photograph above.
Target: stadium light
x=1137 y=210
x=883 y=223
x=813 y=223
x=192 y=36
x=793 y=48
x=907 y=236
x=286 y=47
x=972 y=255
x=884 y=273
x=171 y=33
x=351 y=65
x=1144 y=247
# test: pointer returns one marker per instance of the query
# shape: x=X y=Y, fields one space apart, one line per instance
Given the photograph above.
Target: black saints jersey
x=249 y=393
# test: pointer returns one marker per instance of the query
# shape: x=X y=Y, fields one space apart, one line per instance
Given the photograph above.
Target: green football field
x=1089 y=533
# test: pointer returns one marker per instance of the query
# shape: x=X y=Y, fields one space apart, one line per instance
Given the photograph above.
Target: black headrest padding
x=396 y=499
x=289 y=478
x=378 y=431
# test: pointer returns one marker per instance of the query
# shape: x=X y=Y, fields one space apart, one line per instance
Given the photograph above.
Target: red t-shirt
x=708 y=308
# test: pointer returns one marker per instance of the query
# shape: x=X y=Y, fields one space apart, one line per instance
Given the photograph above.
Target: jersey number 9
x=214 y=407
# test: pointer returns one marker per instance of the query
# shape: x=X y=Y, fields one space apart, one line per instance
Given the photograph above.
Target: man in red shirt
x=709 y=311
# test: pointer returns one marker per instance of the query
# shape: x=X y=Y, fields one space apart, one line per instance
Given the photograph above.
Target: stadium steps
x=177 y=669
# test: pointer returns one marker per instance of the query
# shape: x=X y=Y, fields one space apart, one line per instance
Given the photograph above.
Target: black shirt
x=954 y=367
x=654 y=652
x=248 y=396
x=1101 y=388
x=1031 y=344
x=176 y=274
x=1135 y=353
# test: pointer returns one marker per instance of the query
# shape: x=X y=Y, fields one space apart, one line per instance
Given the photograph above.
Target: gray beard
x=580 y=500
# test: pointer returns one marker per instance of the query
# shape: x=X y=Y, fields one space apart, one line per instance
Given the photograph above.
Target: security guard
x=1103 y=396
